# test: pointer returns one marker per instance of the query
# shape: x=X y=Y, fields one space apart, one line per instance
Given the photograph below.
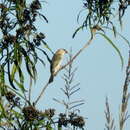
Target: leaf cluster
x=101 y=12
x=21 y=41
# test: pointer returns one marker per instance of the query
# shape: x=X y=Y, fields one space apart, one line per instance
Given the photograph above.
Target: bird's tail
x=51 y=78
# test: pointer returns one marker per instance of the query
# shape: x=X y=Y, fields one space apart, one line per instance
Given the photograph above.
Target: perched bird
x=56 y=63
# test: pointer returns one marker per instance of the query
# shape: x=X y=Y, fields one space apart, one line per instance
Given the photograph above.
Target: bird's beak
x=66 y=51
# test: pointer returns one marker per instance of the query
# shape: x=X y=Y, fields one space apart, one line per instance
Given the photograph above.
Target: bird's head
x=61 y=51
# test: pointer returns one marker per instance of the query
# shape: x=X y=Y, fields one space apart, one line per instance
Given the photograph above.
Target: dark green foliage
x=102 y=12
x=100 y=15
x=20 y=40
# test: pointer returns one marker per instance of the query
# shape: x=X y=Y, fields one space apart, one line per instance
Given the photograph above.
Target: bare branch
x=77 y=54
x=41 y=94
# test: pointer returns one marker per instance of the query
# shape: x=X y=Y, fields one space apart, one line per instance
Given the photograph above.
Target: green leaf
x=21 y=76
x=117 y=33
x=13 y=71
x=43 y=17
x=114 y=30
x=34 y=71
x=115 y=47
x=46 y=45
x=77 y=30
x=43 y=63
x=48 y=127
x=45 y=54
x=17 y=114
x=79 y=14
x=31 y=69
x=124 y=39
x=27 y=62
x=59 y=128
x=20 y=85
x=2 y=79
x=1 y=50
x=2 y=111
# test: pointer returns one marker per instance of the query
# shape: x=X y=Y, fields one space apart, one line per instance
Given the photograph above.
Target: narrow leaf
x=44 y=17
x=21 y=76
x=13 y=71
x=115 y=47
x=74 y=91
x=76 y=105
x=120 y=36
x=114 y=30
x=46 y=45
x=28 y=66
x=20 y=85
x=77 y=30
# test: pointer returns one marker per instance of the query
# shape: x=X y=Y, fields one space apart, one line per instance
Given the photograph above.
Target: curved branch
x=77 y=54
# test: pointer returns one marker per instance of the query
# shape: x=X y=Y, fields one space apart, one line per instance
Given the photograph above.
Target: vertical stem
x=41 y=94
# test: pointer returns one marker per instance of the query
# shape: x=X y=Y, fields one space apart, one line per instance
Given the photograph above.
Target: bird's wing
x=56 y=61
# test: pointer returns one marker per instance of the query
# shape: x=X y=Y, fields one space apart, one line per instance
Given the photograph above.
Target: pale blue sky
x=99 y=67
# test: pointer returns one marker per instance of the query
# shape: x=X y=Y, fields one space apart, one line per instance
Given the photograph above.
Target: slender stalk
x=30 y=89
x=125 y=97
x=77 y=54
x=41 y=94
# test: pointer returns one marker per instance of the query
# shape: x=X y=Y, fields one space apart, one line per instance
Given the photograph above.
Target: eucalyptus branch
x=77 y=54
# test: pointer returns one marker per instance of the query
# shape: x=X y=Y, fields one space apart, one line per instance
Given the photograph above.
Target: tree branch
x=77 y=54
x=41 y=94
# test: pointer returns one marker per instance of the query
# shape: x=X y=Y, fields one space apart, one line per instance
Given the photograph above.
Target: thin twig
x=75 y=56
x=41 y=94
x=30 y=89
x=125 y=87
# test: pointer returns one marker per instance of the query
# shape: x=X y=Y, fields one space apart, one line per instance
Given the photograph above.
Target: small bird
x=56 y=63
